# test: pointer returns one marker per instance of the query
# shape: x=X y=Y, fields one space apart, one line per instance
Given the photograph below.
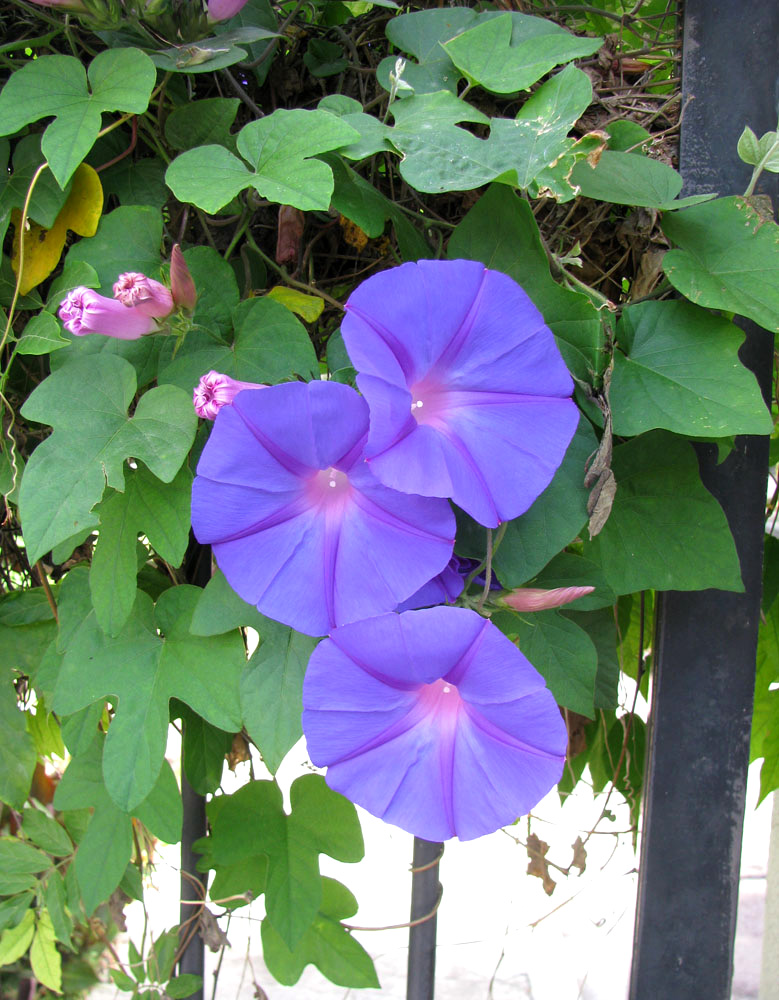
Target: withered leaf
x=239 y=751
x=579 y=856
x=116 y=904
x=536 y=851
x=213 y=935
x=600 y=501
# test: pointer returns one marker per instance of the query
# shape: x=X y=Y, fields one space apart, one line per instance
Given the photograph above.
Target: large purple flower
x=299 y=525
x=468 y=393
x=434 y=721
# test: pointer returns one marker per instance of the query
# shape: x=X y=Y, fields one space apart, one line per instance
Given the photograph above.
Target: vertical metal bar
x=425 y=895
x=705 y=642
x=193 y=827
x=197 y=570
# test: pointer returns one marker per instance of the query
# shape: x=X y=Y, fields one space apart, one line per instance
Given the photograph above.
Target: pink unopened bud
x=181 y=284
x=289 y=234
x=83 y=311
x=75 y=5
x=221 y=10
x=148 y=296
x=536 y=599
x=215 y=390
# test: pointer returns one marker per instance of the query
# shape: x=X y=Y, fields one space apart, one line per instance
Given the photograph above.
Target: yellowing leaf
x=43 y=247
x=44 y=957
x=14 y=941
x=308 y=307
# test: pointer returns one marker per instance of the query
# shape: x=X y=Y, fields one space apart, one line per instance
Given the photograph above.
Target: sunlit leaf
x=59 y=86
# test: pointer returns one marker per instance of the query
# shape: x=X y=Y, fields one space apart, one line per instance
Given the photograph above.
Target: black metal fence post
x=425 y=895
x=193 y=827
x=197 y=570
x=705 y=642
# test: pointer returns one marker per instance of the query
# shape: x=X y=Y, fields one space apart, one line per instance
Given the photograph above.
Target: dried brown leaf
x=239 y=751
x=213 y=935
x=579 y=856
x=536 y=851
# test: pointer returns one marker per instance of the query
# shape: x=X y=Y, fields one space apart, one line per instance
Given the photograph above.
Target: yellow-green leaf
x=43 y=247
x=45 y=731
x=15 y=941
x=44 y=957
x=308 y=307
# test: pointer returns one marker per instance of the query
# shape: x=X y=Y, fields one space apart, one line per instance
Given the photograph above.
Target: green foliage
x=100 y=441
x=659 y=537
x=270 y=346
x=509 y=53
x=252 y=823
x=327 y=944
x=279 y=150
x=728 y=258
x=17 y=750
x=442 y=157
x=58 y=86
x=561 y=651
x=677 y=367
x=210 y=54
x=554 y=520
x=144 y=670
x=631 y=179
x=68 y=472
x=158 y=510
x=272 y=691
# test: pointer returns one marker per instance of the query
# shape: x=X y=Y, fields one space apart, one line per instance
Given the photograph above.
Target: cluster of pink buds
x=137 y=306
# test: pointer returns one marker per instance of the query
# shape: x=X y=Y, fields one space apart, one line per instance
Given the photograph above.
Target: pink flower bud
x=536 y=599
x=215 y=390
x=181 y=284
x=83 y=311
x=221 y=10
x=75 y=5
x=148 y=296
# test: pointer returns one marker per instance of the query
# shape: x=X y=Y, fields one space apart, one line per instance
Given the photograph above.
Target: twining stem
x=487 y=572
x=20 y=266
x=282 y=271
x=47 y=589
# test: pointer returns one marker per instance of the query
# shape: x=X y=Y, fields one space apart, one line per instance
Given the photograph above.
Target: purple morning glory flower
x=434 y=721
x=468 y=393
x=298 y=523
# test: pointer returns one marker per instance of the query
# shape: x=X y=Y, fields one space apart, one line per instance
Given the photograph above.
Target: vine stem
x=20 y=268
x=487 y=573
x=309 y=289
x=408 y=923
x=47 y=589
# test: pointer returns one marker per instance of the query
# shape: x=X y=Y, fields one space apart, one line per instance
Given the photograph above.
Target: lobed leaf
x=666 y=531
x=144 y=670
x=58 y=86
x=327 y=944
x=67 y=473
x=728 y=258
x=511 y=52
x=279 y=149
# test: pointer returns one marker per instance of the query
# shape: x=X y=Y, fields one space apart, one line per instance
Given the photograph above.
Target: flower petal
x=432 y=720
x=464 y=352
x=305 y=554
x=401 y=320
